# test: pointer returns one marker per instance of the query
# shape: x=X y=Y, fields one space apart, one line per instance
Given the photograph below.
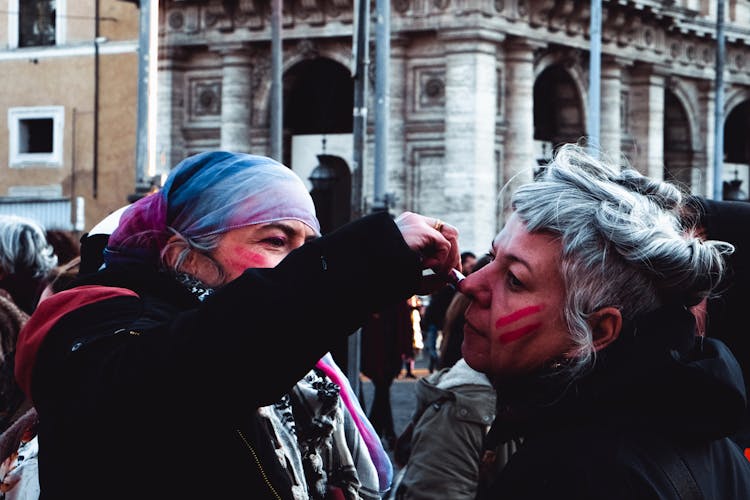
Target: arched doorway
x=558 y=111
x=678 y=150
x=318 y=103
x=737 y=151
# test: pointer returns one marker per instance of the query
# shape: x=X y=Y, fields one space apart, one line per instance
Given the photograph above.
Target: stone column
x=518 y=162
x=703 y=164
x=647 y=120
x=470 y=116
x=396 y=155
x=236 y=99
x=611 y=119
x=170 y=143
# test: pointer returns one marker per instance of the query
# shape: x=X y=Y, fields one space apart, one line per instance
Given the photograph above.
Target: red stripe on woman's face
x=518 y=333
x=516 y=315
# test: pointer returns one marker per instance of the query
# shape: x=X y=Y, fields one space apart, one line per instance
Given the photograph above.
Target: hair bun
x=665 y=195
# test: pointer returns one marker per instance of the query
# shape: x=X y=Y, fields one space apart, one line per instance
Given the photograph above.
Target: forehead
x=537 y=249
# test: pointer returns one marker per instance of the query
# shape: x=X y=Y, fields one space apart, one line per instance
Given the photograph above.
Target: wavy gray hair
x=623 y=243
x=24 y=247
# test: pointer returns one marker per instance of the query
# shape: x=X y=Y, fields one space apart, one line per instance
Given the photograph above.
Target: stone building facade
x=68 y=101
x=480 y=92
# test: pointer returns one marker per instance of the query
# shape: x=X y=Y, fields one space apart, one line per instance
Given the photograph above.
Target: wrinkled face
x=514 y=324
x=258 y=245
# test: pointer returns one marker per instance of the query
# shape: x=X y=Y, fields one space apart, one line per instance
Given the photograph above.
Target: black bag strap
x=676 y=469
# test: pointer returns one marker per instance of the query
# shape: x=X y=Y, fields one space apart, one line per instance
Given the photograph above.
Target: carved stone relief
x=205 y=98
x=430 y=88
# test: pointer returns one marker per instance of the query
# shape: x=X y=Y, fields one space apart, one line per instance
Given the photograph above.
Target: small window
x=36 y=136
x=36 y=23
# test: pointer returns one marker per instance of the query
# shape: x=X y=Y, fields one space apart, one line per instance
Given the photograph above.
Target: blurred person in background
x=434 y=316
x=25 y=259
x=453 y=326
x=454 y=410
x=386 y=338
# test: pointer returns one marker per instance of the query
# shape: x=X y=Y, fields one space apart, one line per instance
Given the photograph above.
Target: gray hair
x=204 y=244
x=623 y=244
x=24 y=247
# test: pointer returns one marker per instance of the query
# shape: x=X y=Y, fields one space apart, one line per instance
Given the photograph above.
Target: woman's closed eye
x=275 y=241
x=513 y=282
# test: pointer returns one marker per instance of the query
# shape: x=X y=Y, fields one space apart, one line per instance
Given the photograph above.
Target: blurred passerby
x=386 y=337
x=25 y=259
x=453 y=327
x=434 y=317
x=410 y=352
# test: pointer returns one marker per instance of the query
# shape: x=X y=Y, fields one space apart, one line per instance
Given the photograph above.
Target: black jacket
x=657 y=399
x=726 y=319
x=145 y=392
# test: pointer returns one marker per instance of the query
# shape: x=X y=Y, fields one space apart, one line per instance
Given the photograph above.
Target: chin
x=477 y=360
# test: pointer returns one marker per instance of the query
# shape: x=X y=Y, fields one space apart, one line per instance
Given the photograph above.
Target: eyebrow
x=288 y=230
x=515 y=258
x=511 y=258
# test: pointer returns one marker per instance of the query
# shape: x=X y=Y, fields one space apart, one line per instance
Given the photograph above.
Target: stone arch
x=318 y=99
x=572 y=65
x=737 y=151
x=689 y=103
x=678 y=141
x=558 y=109
x=291 y=58
x=735 y=97
x=736 y=125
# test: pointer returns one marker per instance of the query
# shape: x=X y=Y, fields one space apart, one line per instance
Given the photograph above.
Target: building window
x=36 y=136
x=35 y=23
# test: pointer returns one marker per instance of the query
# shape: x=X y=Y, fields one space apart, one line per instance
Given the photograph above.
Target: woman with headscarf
x=149 y=375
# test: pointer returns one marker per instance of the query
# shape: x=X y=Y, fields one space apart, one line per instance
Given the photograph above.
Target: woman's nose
x=476 y=287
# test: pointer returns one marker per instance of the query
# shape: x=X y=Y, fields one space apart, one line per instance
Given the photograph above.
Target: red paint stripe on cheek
x=518 y=333
x=516 y=315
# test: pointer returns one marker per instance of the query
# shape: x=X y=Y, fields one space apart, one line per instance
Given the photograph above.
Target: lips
x=470 y=329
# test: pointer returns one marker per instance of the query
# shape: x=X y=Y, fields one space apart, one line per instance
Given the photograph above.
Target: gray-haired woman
x=582 y=323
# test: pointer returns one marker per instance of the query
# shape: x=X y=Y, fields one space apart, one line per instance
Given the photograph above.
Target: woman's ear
x=606 y=324
x=190 y=263
x=195 y=263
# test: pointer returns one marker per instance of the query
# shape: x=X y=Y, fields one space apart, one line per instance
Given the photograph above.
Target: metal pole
x=382 y=102
x=277 y=116
x=359 y=114
x=595 y=62
x=97 y=86
x=719 y=104
x=144 y=53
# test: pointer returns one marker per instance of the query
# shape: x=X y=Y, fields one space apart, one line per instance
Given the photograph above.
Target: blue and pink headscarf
x=215 y=192
x=210 y=193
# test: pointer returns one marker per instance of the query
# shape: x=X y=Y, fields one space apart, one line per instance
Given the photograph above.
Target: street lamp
x=732 y=189
x=323 y=177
